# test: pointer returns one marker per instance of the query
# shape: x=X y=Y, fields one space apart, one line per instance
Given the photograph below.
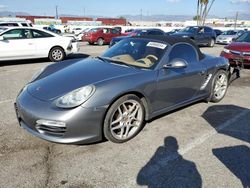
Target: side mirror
x=176 y=64
x=1 y=38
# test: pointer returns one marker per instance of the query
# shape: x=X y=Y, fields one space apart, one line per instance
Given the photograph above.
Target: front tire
x=56 y=54
x=211 y=43
x=124 y=119
x=219 y=86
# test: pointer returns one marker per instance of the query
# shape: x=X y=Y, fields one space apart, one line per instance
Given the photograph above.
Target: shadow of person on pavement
x=237 y=160
x=167 y=168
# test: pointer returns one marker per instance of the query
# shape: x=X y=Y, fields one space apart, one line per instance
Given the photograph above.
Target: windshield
x=2 y=29
x=137 y=52
x=230 y=32
x=189 y=30
x=94 y=30
x=244 y=38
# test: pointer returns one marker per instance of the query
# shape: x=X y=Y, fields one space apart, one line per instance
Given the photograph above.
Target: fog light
x=51 y=123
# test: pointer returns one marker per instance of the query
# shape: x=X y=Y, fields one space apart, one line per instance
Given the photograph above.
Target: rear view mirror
x=176 y=64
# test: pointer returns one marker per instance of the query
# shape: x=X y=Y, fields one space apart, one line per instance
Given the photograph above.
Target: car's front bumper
x=234 y=59
x=82 y=125
x=223 y=41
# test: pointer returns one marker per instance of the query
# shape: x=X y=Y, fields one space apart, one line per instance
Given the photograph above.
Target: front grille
x=240 y=53
x=52 y=130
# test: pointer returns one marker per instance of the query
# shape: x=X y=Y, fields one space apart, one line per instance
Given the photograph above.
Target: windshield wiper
x=101 y=58
x=105 y=59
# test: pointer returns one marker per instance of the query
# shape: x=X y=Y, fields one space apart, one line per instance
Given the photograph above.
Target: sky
x=114 y=8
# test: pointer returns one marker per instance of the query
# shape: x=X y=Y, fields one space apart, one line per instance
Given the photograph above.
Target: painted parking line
x=200 y=140
x=6 y=101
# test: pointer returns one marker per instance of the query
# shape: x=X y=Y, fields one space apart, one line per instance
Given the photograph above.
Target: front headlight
x=226 y=50
x=76 y=97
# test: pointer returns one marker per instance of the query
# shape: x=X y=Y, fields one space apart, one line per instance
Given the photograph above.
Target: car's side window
x=184 y=51
x=40 y=34
x=114 y=31
x=155 y=33
x=208 y=30
x=17 y=34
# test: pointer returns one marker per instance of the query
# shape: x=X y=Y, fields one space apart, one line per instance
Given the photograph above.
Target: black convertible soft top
x=172 y=40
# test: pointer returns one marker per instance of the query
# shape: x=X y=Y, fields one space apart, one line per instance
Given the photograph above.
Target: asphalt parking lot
x=202 y=145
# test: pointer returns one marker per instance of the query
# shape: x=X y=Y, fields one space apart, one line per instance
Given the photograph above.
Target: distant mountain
x=153 y=18
x=158 y=17
x=12 y=14
x=244 y=16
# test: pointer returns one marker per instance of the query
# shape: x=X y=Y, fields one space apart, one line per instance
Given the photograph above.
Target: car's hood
x=239 y=46
x=76 y=75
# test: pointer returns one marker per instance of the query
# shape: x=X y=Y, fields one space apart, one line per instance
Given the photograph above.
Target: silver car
x=113 y=95
x=228 y=36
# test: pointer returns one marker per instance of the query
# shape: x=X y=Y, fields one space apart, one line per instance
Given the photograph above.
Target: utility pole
x=57 y=12
x=84 y=12
x=236 y=19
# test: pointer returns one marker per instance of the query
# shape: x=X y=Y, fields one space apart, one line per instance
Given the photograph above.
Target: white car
x=16 y=24
x=18 y=43
x=228 y=36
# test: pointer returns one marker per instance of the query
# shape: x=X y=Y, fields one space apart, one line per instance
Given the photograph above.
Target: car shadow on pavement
x=77 y=57
x=232 y=121
x=237 y=160
x=167 y=168
x=229 y=120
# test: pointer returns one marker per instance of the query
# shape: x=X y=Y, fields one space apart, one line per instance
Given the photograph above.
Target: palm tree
x=203 y=9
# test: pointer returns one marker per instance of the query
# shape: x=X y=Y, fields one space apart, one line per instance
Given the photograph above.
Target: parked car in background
x=113 y=95
x=53 y=29
x=218 y=32
x=29 y=43
x=16 y=24
x=77 y=30
x=101 y=35
x=137 y=32
x=80 y=35
x=201 y=35
x=227 y=36
x=239 y=50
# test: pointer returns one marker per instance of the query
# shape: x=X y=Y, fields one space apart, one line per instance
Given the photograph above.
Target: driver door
x=179 y=85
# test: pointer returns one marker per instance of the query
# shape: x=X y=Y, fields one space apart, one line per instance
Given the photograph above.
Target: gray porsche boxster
x=113 y=95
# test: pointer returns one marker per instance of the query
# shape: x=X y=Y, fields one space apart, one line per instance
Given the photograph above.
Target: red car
x=101 y=35
x=239 y=50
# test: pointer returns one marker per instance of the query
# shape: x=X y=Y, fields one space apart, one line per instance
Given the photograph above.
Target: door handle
x=30 y=43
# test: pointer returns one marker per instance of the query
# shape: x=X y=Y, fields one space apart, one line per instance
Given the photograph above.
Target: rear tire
x=219 y=86
x=100 y=41
x=56 y=54
x=211 y=43
x=124 y=119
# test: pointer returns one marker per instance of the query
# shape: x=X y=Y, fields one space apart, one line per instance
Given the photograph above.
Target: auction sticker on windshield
x=157 y=45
